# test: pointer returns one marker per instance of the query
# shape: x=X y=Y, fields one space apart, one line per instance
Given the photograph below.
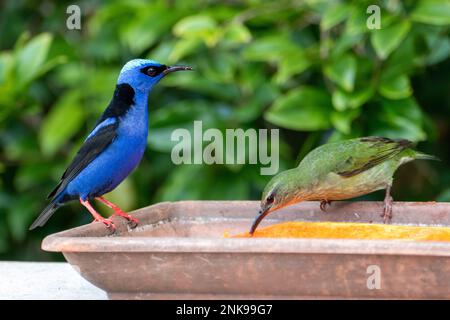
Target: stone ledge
x=44 y=281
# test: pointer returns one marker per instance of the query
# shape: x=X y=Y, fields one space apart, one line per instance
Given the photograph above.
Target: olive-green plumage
x=339 y=170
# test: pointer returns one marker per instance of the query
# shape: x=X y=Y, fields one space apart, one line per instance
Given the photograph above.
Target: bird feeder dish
x=179 y=251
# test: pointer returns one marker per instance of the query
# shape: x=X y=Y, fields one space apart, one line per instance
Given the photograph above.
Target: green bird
x=340 y=170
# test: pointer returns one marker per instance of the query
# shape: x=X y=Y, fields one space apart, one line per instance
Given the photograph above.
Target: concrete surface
x=44 y=280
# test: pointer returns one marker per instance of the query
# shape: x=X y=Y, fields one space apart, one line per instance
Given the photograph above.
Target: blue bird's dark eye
x=151 y=71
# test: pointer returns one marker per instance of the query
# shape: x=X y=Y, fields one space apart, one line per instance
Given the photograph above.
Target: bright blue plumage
x=114 y=164
x=116 y=144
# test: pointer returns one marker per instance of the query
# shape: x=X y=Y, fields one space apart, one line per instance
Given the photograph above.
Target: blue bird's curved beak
x=176 y=68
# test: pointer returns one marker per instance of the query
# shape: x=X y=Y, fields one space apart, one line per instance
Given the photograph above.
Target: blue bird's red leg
x=118 y=211
x=97 y=216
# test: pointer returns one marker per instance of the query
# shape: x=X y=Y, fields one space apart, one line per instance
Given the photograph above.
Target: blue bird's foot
x=97 y=217
x=119 y=212
x=107 y=222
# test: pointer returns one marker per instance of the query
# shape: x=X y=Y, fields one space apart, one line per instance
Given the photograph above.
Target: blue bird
x=114 y=147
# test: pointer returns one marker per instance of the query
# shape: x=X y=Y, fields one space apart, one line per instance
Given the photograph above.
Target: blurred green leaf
x=333 y=15
x=290 y=58
x=219 y=67
x=343 y=100
x=202 y=85
x=387 y=39
x=32 y=56
x=7 y=85
x=6 y=60
x=435 y=12
x=250 y=110
x=357 y=21
x=147 y=27
x=396 y=88
x=237 y=33
x=21 y=214
x=198 y=27
x=342 y=120
x=271 y=48
x=179 y=115
x=182 y=48
x=304 y=108
x=19 y=143
x=295 y=64
x=399 y=119
x=440 y=52
x=401 y=61
x=226 y=185
x=344 y=43
x=342 y=71
x=63 y=121
x=31 y=174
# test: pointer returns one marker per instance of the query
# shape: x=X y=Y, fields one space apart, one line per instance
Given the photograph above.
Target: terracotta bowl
x=179 y=251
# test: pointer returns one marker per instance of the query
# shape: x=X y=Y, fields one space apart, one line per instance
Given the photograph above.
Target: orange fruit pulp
x=349 y=230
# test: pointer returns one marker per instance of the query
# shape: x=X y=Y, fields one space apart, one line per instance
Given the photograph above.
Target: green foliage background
x=311 y=68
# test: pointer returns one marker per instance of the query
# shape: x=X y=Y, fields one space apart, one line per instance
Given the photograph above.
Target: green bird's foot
x=324 y=204
x=387 y=208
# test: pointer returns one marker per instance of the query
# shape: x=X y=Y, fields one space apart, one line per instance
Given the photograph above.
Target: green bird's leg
x=388 y=202
x=323 y=205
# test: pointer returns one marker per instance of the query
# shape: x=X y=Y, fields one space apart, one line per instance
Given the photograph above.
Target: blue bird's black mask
x=143 y=74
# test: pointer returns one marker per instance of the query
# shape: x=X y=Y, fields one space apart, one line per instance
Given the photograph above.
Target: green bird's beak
x=176 y=68
x=261 y=215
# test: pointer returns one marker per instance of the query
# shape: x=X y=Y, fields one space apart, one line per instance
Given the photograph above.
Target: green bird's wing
x=365 y=153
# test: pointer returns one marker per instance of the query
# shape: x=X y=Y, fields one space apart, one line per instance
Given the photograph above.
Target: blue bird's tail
x=45 y=215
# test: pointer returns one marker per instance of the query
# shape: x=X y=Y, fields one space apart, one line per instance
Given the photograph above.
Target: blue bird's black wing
x=102 y=135
x=90 y=149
